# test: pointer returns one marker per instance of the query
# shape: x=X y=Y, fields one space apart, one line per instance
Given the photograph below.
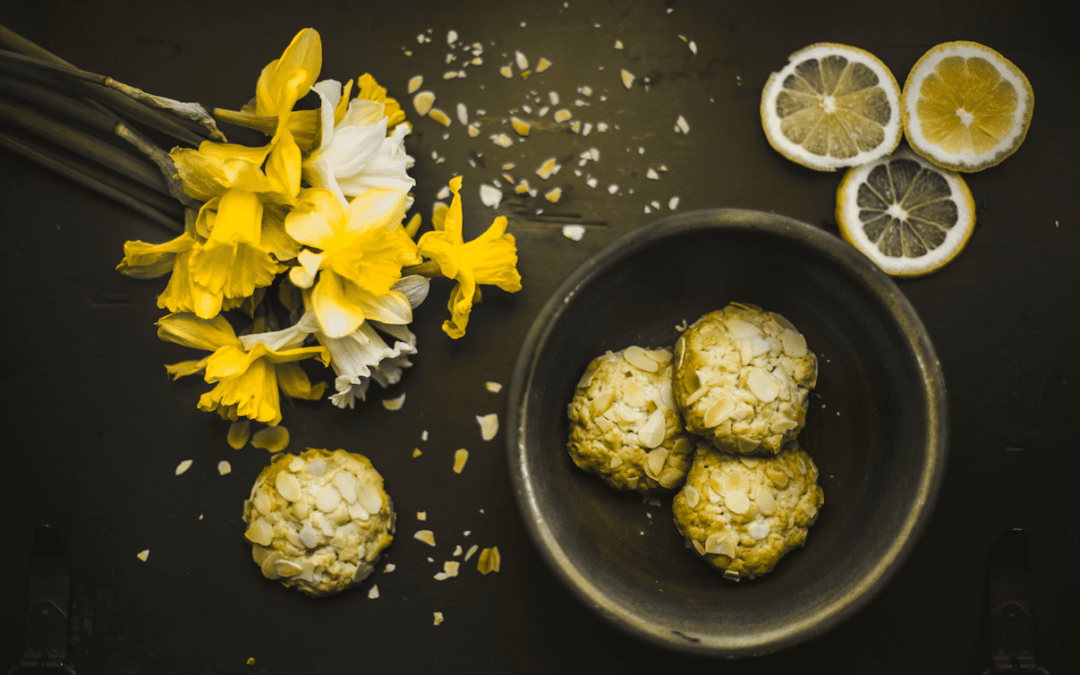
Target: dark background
x=95 y=429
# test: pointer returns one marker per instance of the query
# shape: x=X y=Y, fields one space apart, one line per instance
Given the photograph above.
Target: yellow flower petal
x=254 y=395
x=302 y=56
x=190 y=331
x=184 y=295
x=337 y=314
x=294 y=382
x=148 y=261
x=370 y=90
x=185 y=368
x=283 y=166
x=315 y=219
x=274 y=236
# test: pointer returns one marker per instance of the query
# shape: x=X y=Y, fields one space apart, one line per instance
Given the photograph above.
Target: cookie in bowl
x=742 y=379
x=318 y=522
x=742 y=514
x=624 y=426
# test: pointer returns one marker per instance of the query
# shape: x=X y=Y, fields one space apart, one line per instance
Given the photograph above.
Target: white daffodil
x=364 y=355
x=355 y=154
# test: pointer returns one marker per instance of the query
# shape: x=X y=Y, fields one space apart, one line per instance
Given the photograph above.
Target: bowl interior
x=875 y=429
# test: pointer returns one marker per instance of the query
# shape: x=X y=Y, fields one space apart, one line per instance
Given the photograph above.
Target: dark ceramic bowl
x=876 y=429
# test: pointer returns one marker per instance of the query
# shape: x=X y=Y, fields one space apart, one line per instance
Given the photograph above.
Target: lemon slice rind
x=771 y=121
x=967 y=162
x=852 y=231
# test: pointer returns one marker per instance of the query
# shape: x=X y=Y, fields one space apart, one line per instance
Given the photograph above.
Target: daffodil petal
x=313 y=221
x=274 y=236
x=294 y=383
x=188 y=330
x=414 y=287
x=149 y=261
x=185 y=368
x=253 y=395
x=377 y=208
x=329 y=92
x=390 y=308
x=278 y=340
x=283 y=165
x=337 y=314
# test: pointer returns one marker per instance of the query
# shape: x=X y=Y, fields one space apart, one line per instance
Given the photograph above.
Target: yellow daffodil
x=490 y=259
x=355 y=154
x=360 y=252
x=370 y=90
x=364 y=355
x=249 y=371
x=232 y=262
x=281 y=84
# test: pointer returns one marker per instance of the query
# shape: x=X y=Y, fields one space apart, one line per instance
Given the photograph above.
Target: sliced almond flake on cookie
x=651 y=436
x=639 y=358
x=692 y=496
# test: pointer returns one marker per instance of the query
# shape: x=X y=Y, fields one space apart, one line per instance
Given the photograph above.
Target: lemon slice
x=906 y=214
x=832 y=106
x=966 y=107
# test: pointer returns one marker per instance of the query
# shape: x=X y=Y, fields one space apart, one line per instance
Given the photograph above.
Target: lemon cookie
x=742 y=514
x=624 y=426
x=318 y=522
x=742 y=379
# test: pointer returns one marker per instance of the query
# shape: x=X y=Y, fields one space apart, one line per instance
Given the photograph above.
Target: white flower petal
x=415 y=287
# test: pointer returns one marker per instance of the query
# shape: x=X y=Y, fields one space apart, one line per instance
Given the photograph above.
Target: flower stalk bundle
x=312 y=222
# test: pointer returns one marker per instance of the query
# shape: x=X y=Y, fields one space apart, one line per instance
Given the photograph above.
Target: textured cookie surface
x=318 y=522
x=742 y=379
x=742 y=514
x=624 y=426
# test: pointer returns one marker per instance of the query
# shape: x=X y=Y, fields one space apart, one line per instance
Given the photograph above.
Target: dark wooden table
x=95 y=429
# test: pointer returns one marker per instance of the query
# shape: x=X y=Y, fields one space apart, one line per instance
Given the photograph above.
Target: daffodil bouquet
x=314 y=223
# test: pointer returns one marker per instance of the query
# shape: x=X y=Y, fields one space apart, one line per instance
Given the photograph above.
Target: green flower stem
x=78 y=141
x=428 y=268
x=121 y=192
x=96 y=87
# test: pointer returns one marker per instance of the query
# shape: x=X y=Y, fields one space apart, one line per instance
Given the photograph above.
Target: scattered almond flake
x=490 y=195
x=520 y=126
x=463 y=114
x=508 y=178
x=457 y=550
x=489 y=560
x=655 y=204
x=493 y=387
x=183 y=466
x=423 y=102
x=489 y=424
x=627 y=78
x=450 y=74
x=587 y=130
x=575 y=232
x=575 y=126
x=542 y=65
x=548 y=169
x=681 y=125
x=200 y=516
x=525 y=74
x=581 y=104
x=522 y=187
x=553 y=96
x=394 y=403
x=421 y=515
x=601 y=127
x=451 y=37
x=373 y=592
x=648 y=210
x=426 y=536
x=501 y=140
x=430 y=559
x=451 y=567
x=618 y=44
x=640 y=150
x=251 y=659
x=506 y=71
x=143 y=555
x=408 y=52
x=438 y=618
x=239 y=433
x=585 y=90
x=420 y=38
x=439 y=116
x=612 y=189
x=390 y=567
x=543 y=111
x=693 y=46
x=533 y=193
x=591 y=182
x=509 y=166
x=441 y=576
x=450 y=58
x=651 y=174
x=224 y=468
x=553 y=195
x=424 y=435
x=522 y=24
x=460 y=457
x=477 y=61
x=562 y=115
x=466 y=533
x=474 y=130
x=496 y=183
x=527 y=109
x=683 y=38
x=471 y=551
x=594 y=154
x=521 y=60
x=416 y=453
x=673 y=203
x=444 y=193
